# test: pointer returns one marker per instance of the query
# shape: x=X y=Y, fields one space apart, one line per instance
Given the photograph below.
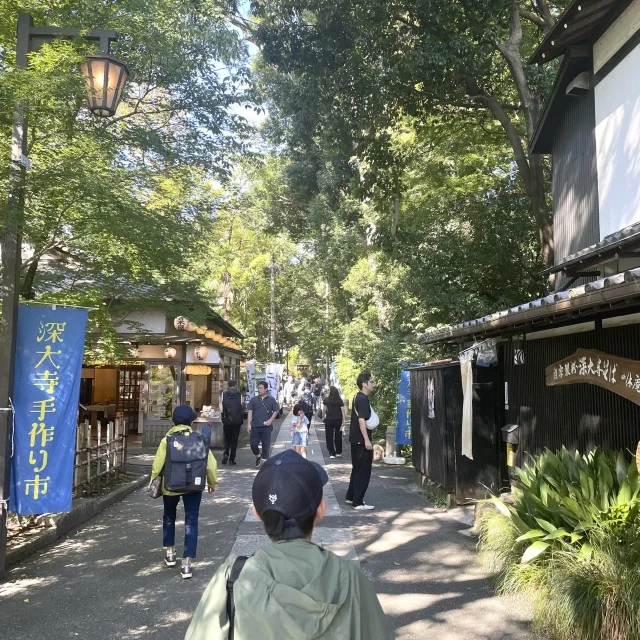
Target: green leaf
x=586 y=551
x=547 y=526
x=501 y=506
x=533 y=533
x=534 y=550
x=558 y=533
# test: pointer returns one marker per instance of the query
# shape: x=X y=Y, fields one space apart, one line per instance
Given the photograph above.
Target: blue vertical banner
x=48 y=368
x=403 y=433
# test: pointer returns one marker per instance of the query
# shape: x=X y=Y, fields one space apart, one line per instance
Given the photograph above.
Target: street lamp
x=105 y=77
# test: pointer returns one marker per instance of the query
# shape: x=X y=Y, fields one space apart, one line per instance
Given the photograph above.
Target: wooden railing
x=98 y=462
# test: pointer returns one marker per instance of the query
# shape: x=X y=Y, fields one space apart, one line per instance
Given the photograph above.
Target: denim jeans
x=191 y=502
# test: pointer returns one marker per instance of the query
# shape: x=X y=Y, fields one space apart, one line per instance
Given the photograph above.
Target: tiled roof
x=608 y=290
x=609 y=244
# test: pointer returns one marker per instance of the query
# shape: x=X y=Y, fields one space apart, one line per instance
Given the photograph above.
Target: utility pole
x=326 y=328
x=272 y=333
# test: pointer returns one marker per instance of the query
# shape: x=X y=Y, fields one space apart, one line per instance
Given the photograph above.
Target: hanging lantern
x=170 y=352
x=181 y=323
x=201 y=330
x=197 y=370
x=209 y=334
x=201 y=352
x=191 y=326
x=105 y=78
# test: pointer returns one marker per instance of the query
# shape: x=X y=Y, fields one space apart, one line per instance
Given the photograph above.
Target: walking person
x=262 y=412
x=183 y=467
x=232 y=419
x=363 y=420
x=290 y=589
x=289 y=388
x=334 y=415
x=306 y=401
x=299 y=431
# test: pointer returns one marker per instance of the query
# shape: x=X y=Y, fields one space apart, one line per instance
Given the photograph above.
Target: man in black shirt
x=361 y=446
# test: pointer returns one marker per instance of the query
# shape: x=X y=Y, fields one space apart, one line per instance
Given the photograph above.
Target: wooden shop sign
x=620 y=375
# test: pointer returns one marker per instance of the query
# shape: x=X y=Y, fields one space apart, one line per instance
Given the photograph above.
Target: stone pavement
x=108 y=581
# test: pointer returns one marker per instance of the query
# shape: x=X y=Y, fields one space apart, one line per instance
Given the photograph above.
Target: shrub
x=562 y=496
x=582 y=569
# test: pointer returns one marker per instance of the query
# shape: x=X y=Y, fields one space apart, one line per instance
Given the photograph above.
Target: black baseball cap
x=289 y=484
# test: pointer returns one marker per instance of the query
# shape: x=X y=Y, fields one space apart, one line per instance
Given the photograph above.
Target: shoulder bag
x=373 y=420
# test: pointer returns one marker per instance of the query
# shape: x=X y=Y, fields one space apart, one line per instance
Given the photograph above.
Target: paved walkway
x=108 y=579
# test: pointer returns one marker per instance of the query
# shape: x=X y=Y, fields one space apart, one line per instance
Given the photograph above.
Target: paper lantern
x=170 y=352
x=191 y=326
x=181 y=323
x=197 y=370
x=201 y=352
x=209 y=334
x=201 y=330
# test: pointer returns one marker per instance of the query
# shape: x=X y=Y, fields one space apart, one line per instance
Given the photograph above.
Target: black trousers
x=361 y=461
x=333 y=436
x=231 y=434
x=309 y=417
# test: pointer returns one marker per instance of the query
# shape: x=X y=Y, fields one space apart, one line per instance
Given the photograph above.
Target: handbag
x=154 y=488
x=373 y=420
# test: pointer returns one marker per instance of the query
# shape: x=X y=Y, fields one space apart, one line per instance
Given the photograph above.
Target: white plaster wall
x=617 y=106
x=616 y=35
x=151 y=321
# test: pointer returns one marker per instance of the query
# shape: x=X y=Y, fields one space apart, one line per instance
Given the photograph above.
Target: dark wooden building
x=568 y=369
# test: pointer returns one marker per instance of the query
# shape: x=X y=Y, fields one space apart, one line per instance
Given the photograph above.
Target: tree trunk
x=26 y=289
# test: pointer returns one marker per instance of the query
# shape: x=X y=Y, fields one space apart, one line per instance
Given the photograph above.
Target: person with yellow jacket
x=183 y=416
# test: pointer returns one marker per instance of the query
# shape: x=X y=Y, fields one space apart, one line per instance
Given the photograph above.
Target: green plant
x=562 y=496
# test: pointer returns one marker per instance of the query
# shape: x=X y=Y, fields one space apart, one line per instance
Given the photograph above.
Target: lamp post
x=105 y=78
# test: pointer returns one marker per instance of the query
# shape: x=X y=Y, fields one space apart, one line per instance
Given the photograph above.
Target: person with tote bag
x=363 y=421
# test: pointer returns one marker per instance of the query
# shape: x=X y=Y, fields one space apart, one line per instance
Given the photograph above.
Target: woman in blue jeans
x=183 y=416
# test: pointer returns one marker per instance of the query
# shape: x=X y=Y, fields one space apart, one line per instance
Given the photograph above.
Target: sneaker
x=364 y=507
x=338 y=455
x=332 y=457
x=170 y=559
x=349 y=501
x=225 y=460
x=232 y=462
x=258 y=461
x=186 y=571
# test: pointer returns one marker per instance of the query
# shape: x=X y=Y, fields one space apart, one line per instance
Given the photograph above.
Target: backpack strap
x=238 y=564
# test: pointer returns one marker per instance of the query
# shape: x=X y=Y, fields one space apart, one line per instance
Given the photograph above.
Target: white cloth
x=466 y=370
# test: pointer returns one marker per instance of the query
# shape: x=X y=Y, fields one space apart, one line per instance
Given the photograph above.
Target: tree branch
x=545 y=12
x=532 y=17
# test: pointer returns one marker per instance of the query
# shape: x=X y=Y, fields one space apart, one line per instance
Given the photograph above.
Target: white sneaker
x=338 y=455
x=364 y=507
x=331 y=457
x=349 y=501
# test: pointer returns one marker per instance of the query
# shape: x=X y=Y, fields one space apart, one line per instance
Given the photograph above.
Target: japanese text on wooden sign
x=620 y=375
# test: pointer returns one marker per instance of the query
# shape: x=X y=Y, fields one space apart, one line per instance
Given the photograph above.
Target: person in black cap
x=183 y=416
x=291 y=589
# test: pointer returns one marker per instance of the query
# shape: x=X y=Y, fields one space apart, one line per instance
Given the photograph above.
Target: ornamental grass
x=585 y=581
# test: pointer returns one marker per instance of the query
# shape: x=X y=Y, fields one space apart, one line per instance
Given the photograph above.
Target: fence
x=98 y=462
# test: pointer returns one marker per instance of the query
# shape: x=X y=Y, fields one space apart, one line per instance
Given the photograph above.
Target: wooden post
x=77 y=461
x=87 y=426
x=98 y=458
x=108 y=448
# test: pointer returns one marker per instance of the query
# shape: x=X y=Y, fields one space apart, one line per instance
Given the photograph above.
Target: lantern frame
x=105 y=77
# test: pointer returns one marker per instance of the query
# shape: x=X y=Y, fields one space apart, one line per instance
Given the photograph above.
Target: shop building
x=567 y=371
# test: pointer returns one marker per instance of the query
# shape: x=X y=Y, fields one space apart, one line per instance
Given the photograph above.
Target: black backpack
x=306 y=402
x=232 y=413
x=185 y=466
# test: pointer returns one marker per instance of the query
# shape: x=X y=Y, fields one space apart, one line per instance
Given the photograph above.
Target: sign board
x=49 y=350
x=620 y=375
x=403 y=407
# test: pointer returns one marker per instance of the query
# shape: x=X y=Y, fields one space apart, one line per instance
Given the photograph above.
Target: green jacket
x=292 y=590
x=161 y=453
